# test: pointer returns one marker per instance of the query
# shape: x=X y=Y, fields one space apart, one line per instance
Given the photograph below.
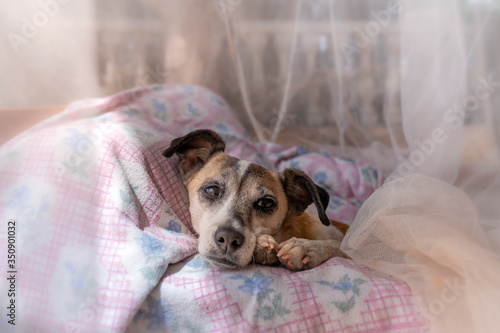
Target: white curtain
x=47 y=52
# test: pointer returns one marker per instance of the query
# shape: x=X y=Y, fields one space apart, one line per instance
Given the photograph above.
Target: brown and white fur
x=243 y=212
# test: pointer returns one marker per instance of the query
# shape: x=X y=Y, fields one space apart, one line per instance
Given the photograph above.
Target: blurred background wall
x=329 y=69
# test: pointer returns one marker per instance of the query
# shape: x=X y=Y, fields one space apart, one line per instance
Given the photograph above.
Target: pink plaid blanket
x=105 y=244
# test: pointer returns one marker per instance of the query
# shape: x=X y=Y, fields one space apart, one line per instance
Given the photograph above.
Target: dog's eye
x=212 y=191
x=265 y=203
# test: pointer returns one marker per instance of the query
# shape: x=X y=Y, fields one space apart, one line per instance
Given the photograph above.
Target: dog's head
x=233 y=201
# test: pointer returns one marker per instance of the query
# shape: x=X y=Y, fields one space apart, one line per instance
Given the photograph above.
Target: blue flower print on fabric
x=320 y=177
x=150 y=246
x=302 y=151
x=269 y=303
x=19 y=197
x=161 y=317
x=348 y=287
x=159 y=314
x=78 y=142
x=255 y=284
x=174 y=227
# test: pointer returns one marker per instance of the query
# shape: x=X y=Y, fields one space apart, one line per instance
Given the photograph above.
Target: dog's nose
x=228 y=240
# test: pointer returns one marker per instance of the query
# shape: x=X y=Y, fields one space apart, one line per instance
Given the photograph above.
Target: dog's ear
x=194 y=150
x=301 y=192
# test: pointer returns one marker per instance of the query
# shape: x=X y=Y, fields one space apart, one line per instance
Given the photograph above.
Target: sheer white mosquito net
x=413 y=86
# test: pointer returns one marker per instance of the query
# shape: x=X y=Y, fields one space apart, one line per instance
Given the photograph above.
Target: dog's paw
x=265 y=251
x=299 y=254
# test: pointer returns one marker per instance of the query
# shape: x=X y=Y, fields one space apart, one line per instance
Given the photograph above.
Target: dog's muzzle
x=227 y=241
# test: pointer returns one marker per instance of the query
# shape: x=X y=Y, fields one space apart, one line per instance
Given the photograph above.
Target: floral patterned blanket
x=104 y=241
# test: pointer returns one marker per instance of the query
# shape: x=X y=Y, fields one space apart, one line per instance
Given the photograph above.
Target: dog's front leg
x=265 y=252
x=299 y=253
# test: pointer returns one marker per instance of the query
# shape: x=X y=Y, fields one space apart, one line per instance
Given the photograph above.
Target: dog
x=246 y=213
